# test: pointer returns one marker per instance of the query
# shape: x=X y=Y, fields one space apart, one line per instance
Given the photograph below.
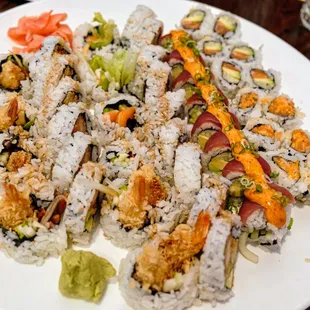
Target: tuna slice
x=234 y=169
x=205 y=121
x=247 y=208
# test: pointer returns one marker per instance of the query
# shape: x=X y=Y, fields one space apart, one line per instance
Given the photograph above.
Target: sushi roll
x=212 y=47
x=216 y=153
x=289 y=171
x=264 y=134
x=30 y=230
x=156 y=81
x=164 y=273
x=148 y=56
x=268 y=81
x=128 y=220
x=12 y=112
x=229 y=76
x=48 y=67
x=210 y=198
x=282 y=110
x=13 y=72
x=256 y=228
x=142 y=29
x=98 y=35
x=205 y=126
x=244 y=54
x=297 y=142
x=120 y=158
x=187 y=170
x=218 y=259
x=82 y=203
x=227 y=26
x=73 y=154
x=198 y=22
x=247 y=104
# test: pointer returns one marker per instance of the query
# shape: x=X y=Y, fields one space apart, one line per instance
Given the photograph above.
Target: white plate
x=279 y=281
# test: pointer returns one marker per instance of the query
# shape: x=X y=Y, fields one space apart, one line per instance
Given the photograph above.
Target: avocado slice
x=236 y=189
x=218 y=162
x=262 y=79
x=244 y=53
x=195 y=112
x=189 y=90
x=212 y=48
x=176 y=70
x=234 y=204
x=231 y=73
x=193 y=20
x=105 y=110
x=224 y=24
x=204 y=136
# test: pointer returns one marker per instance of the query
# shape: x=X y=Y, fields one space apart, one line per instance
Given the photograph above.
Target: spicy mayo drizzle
x=267 y=197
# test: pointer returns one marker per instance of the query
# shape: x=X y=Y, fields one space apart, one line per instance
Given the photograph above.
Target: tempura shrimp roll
x=128 y=220
x=48 y=67
x=164 y=273
x=13 y=71
x=82 y=203
x=31 y=229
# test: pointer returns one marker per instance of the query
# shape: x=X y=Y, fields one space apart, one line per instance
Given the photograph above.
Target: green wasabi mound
x=84 y=274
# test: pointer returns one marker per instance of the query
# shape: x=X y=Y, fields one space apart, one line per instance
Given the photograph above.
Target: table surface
x=278 y=16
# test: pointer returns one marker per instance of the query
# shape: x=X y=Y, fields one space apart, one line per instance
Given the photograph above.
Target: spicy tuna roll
x=164 y=273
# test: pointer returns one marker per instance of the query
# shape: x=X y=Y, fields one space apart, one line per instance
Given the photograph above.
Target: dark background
x=278 y=16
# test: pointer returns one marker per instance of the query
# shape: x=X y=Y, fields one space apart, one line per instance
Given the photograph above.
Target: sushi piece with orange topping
x=247 y=104
x=289 y=171
x=264 y=134
x=283 y=110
